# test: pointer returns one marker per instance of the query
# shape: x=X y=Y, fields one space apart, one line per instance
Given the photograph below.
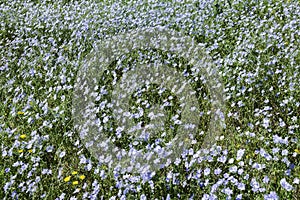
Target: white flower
x=286 y=185
x=296 y=181
x=62 y=154
x=240 y=154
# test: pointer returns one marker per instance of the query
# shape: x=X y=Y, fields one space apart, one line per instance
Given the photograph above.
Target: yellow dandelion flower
x=297 y=151
x=21 y=151
x=30 y=150
x=67 y=179
x=74 y=173
x=23 y=136
x=82 y=177
x=20 y=113
x=75 y=182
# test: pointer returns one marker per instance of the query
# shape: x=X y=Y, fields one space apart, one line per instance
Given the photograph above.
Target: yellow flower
x=75 y=183
x=74 y=173
x=21 y=151
x=30 y=150
x=23 y=136
x=20 y=113
x=67 y=178
x=82 y=177
x=297 y=151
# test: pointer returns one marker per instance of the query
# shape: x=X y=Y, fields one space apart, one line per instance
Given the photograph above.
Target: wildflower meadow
x=133 y=99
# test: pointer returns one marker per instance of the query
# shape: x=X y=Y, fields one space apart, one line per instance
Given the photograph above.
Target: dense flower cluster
x=253 y=44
